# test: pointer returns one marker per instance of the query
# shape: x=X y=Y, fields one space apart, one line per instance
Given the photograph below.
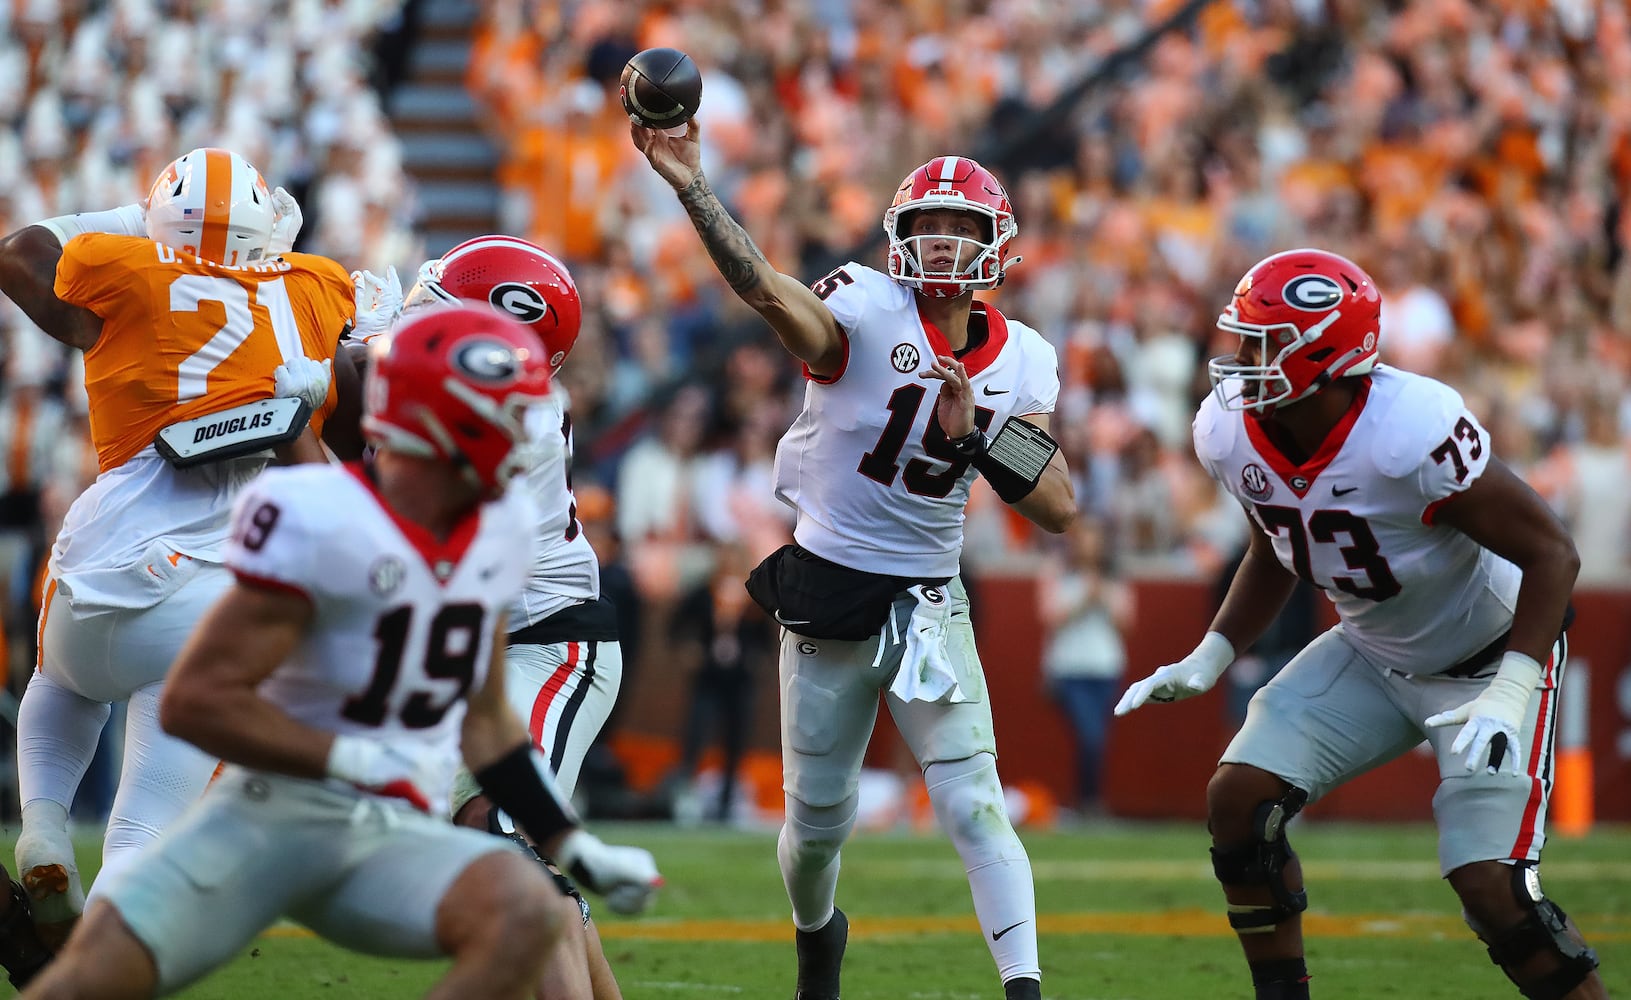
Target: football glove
x=1490 y=722
x=287 y=225
x=1190 y=676
x=379 y=303
x=398 y=770
x=626 y=877
x=303 y=377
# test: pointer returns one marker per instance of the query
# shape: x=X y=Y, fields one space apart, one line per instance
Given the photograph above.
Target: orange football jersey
x=183 y=337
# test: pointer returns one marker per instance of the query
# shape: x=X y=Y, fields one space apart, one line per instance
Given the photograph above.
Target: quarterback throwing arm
x=1017 y=455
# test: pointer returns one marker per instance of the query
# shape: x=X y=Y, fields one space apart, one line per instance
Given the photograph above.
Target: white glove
x=1190 y=676
x=287 y=224
x=379 y=303
x=397 y=769
x=1492 y=720
x=626 y=877
x=305 y=378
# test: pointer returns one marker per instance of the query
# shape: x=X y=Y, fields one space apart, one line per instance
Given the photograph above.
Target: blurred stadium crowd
x=1473 y=155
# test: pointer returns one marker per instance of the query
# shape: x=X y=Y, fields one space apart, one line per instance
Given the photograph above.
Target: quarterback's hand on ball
x=1190 y=676
x=397 y=769
x=1490 y=722
x=677 y=159
x=626 y=877
x=287 y=227
x=303 y=377
x=379 y=303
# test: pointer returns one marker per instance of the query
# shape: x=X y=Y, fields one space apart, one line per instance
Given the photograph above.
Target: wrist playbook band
x=1013 y=461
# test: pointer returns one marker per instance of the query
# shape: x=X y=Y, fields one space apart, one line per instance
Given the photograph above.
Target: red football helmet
x=518 y=278
x=1314 y=317
x=454 y=383
x=955 y=182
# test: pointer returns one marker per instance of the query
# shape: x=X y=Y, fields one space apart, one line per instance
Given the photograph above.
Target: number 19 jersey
x=868 y=468
x=403 y=622
x=1357 y=519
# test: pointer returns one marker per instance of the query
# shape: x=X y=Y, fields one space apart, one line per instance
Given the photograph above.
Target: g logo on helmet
x=524 y=302
x=483 y=360
x=1312 y=293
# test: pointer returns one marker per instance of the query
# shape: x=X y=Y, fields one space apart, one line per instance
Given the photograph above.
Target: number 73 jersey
x=403 y=623
x=1357 y=519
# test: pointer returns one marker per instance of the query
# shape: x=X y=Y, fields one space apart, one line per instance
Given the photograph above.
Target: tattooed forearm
x=728 y=243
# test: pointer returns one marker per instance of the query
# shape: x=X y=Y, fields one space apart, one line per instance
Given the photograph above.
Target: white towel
x=926 y=670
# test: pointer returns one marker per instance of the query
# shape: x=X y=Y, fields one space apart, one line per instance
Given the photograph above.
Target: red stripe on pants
x=1526 y=829
x=551 y=688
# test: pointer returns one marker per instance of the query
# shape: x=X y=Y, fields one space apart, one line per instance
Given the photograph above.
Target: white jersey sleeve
x=272 y=543
x=1039 y=391
x=1438 y=447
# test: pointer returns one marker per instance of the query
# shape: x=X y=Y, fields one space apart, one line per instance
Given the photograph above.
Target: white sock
x=968 y=801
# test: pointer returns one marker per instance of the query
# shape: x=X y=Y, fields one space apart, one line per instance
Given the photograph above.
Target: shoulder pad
x=1421 y=413
x=1214 y=430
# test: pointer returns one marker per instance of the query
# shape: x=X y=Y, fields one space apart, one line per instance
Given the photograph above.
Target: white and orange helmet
x=213 y=204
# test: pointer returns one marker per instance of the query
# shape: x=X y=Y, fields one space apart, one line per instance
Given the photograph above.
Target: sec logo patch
x=905 y=358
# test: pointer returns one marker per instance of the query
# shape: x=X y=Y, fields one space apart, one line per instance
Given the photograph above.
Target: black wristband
x=1015 y=459
x=971 y=445
x=517 y=785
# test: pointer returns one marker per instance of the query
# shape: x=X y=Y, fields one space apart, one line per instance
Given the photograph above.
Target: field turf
x=1126 y=912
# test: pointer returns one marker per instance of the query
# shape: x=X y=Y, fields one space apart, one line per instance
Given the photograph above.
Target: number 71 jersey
x=403 y=623
x=1357 y=519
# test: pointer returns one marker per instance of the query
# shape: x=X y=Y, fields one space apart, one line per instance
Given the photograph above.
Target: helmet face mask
x=518 y=279
x=212 y=204
x=1305 y=319
x=959 y=184
x=454 y=384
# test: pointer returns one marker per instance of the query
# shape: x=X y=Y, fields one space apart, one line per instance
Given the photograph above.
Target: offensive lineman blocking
x=1451 y=582
x=879 y=466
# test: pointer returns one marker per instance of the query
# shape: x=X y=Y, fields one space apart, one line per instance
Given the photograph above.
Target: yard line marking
x=1150 y=870
x=1599 y=928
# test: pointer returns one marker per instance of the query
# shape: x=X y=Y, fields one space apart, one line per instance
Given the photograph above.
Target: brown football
x=661 y=88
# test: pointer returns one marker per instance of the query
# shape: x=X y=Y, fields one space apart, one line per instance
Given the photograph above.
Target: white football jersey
x=564 y=570
x=1357 y=519
x=872 y=476
x=404 y=622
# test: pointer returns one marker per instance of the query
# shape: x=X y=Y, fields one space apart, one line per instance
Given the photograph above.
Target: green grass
x=1127 y=912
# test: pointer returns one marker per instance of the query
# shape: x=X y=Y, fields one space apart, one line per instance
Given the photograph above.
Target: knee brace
x=1543 y=928
x=1262 y=861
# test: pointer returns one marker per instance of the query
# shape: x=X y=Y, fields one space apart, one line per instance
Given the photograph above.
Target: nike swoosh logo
x=997 y=935
x=994 y=392
x=1337 y=492
x=790 y=622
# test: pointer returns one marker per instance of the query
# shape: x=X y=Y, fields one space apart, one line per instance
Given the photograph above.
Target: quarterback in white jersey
x=1451 y=582
x=914 y=388
x=344 y=674
x=194 y=319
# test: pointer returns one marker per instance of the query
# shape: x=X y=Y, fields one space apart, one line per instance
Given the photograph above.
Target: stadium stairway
x=444 y=149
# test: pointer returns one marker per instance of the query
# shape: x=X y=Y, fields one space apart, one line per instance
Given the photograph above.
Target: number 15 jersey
x=1357 y=519
x=403 y=622
x=868 y=468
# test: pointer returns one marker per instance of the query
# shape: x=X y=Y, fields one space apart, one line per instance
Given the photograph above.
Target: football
x=661 y=88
